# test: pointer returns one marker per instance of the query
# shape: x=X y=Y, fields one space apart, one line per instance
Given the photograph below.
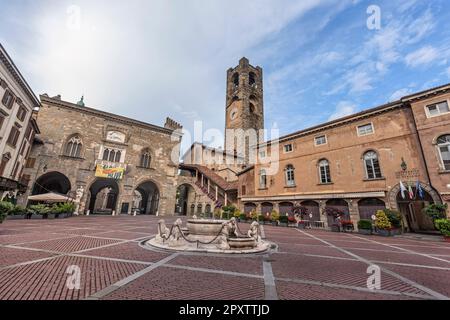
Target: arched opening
x=249 y=207
x=149 y=193
x=286 y=208
x=52 y=182
x=199 y=208
x=236 y=79
x=73 y=147
x=337 y=208
x=266 y=207
x=185 y=199
x=312 y=208
x=104 y=194
x=411 y=210
x=368 y=207
x=252 y=108
x=251 y=78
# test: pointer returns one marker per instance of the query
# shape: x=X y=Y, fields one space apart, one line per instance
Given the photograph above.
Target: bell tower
x=244 y=105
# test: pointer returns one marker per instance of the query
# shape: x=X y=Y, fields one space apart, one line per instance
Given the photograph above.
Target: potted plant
x=347 y=226
x=41 y=210
x=243 y=217
x=382 y=224
x=284 y=220
x=395 y=219
x=436 y=211
x=5 y=209
x=17 y=212
x=275 y=217
x=237 y=215
x=261 y=218
x=301 y=224
x=443 y=225
x=365 y=227
x=291 y=220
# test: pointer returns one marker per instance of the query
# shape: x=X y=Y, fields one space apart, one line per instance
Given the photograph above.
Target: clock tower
x=244 y=107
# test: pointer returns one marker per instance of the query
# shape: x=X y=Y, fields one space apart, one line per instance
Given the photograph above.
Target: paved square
x=35 y=257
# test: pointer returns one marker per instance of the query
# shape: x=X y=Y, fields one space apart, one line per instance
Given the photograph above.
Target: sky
x=322 y=59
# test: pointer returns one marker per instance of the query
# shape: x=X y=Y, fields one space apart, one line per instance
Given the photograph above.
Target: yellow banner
x=104 y=171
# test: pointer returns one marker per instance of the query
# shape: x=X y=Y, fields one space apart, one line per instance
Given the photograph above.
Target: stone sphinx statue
x=254 y=231
x=163 y=232
x=176 y=238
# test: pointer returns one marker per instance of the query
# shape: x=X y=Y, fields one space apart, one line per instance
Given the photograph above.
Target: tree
x=382 y=221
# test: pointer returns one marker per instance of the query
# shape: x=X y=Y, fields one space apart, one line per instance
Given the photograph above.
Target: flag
x=420 y=190
x=411 y=193
x=402 y=189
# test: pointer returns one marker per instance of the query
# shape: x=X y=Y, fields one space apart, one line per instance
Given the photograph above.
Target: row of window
x=362 y=130
x=371 y=164
x=8 y=101
x=75 y=145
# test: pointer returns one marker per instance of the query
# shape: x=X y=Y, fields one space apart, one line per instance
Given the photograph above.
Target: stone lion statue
x=224 y=236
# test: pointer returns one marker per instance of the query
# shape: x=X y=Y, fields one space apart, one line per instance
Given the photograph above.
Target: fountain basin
x=242 y=243
x=202 y=227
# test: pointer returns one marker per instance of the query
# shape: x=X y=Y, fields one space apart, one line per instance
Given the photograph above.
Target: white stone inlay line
x=433 y=293
x=269 y=280
x=403 y=249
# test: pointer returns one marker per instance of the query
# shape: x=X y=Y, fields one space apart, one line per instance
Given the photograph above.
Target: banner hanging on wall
x=104 y=171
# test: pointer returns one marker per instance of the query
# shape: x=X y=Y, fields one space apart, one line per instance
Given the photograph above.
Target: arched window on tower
x=251 y=78
x=236 y=79
x=443 y=143
x=73 y=147
x=252 y=108
x=146 y=158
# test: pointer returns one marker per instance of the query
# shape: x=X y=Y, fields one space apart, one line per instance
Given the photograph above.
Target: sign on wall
x=104 y=171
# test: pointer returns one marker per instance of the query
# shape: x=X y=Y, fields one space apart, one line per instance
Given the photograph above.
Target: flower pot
x=396 y=232
x=365 y=231
x=301 y=226
x=16 y=217
x=284 y=224
x=384 y=233
x=275 y=223
x=335 y=229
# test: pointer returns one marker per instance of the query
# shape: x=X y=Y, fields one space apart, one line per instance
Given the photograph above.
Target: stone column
x=323 y=214
x=354 y=211
x=217 y=193
x=276 y=206
x=226 y=198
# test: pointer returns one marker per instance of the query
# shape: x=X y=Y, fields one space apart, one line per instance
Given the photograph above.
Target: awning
x=51 y=197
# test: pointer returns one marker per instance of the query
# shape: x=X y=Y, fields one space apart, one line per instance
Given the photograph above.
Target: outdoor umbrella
x=51 y=197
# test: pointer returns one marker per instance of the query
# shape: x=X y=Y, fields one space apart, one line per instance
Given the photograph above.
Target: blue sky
x=152 y=59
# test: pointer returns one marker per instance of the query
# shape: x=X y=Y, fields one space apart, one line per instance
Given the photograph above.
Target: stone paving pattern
x=308 y=264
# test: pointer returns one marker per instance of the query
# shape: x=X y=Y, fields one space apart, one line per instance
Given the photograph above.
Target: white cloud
x=343 y=109
x=422 y=56
x=400 y=94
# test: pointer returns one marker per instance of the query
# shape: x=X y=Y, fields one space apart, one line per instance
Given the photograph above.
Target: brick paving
x=308 y=264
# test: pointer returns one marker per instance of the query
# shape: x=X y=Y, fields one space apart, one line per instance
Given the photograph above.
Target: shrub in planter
x=5 y=209
x=301 y=225
x=237 y=214
x=284 y=220
x=335 y=228
x=261 y=218
x=436 y=211
x=395 y=219
x=275 y=217
x=41 y=209
x=365 y=226
x=383 y=224
x=443 y=225
x=243 y=217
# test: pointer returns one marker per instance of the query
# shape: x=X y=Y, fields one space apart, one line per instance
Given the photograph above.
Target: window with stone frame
x=73 y=147
x=443 y=143
x=21 y=113
x=438 y=109
x=290 y=175
x=324 y=171
x=372 y=165
x=112 y=155
x=146 y=159
x=13 y=136
x=8 y=99
x=262 y=179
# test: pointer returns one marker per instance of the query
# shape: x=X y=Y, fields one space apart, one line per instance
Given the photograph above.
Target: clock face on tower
x=233 y=114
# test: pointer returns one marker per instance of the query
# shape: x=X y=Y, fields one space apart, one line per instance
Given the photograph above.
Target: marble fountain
x=208 y=235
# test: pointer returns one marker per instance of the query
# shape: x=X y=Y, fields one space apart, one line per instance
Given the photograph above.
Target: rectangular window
x=22 y=150
x=30 y=163
x=2 y=119
x=21 y=113
x=262 y=154
x=16 y=168
x=13 y=136
x=8 y=99
x=365 y=129
x=438 y=109
x=288 y=148
x=320 y=140
x=243 y=190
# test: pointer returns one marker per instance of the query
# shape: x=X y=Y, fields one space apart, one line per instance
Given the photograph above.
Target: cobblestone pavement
x=309 y=264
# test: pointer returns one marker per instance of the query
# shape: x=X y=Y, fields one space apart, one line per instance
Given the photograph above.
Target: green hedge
x=365 y=224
